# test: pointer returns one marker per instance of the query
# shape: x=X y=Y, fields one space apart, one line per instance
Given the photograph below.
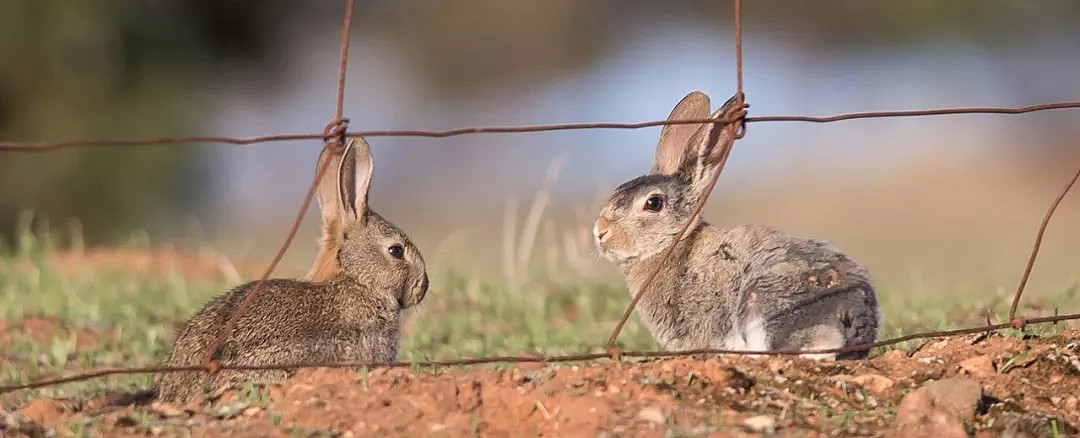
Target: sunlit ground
x=550 y=295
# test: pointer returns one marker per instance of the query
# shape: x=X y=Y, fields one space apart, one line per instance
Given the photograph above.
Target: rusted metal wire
x=335 y=132
x=738 y=46
x=334 y=136
x=527 y=359
x=917 y=113
x=1019 y=322
x=343 y=58
x=737 y=113
x=16 y=146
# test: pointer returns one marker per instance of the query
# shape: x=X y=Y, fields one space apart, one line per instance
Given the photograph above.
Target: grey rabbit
x=348 y=308
x=744 y=288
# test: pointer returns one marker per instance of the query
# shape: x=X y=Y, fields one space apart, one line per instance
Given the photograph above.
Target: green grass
x=140 y=313
x=462 y=316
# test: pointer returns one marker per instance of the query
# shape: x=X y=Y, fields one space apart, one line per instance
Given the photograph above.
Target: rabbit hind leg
x=818 y=337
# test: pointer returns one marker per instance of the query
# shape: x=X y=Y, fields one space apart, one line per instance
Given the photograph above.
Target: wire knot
x=336 y=130
x=615 y=353
x=737 y=114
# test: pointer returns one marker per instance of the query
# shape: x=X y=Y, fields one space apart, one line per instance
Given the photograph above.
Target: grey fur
x=354 y=315
x=721 y=283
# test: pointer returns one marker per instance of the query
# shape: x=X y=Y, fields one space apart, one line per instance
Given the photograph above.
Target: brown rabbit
x=747 y=287
x=352 y=313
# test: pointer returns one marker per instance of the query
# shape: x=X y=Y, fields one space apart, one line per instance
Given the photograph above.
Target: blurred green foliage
x=134 y=315
x=97 y=68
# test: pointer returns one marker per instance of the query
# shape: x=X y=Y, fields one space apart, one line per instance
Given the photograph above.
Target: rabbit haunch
x=348 y=309
x=747 y=288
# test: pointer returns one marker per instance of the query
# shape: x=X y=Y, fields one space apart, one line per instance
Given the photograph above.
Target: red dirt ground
x=1029 y=388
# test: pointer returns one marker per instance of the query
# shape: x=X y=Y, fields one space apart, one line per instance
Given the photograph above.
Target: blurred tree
x=463 y=47
x=108 y=68
x=130 y=68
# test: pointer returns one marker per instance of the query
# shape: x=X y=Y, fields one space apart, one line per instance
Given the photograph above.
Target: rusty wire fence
x=336 y=131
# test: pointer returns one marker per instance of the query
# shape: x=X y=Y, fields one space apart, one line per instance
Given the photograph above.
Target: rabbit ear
x=674 y=139
x=355 y=179
x=708 y=146
x=327 y=194
x=325 y=264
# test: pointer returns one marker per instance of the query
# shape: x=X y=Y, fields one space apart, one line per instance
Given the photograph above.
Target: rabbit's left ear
x=355 y=179
x=708 y=146
x=674 y=139
x=328 y=166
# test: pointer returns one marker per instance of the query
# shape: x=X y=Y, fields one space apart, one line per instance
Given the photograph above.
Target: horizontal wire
x=243 y=141
x=526 y=359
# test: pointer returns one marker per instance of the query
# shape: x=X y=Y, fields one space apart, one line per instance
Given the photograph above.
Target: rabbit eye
x=654 y=203
x=397 y=251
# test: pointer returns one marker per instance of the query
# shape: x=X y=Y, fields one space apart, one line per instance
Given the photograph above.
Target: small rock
x=978 y=366
x=892 y=355
x=760 y=424
x=251 y=411
x=653 y=415
x=939 y=345
x=42 y=411
x=228 y=410
x=298 y=388
x=939 y=408
x=517 y=377
x=167 y=410
x=1072 y=403
x=875 y=383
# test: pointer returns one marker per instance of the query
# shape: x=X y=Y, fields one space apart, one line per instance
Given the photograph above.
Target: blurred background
x=927 y=203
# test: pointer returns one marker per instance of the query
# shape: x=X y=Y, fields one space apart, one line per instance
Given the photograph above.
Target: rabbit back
x=754 y=288
x=288 y=322
x=801 y=293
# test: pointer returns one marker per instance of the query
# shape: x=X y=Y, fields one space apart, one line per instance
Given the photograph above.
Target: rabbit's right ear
x=675 y=139
x=710 y=144
x=325 y=265
x=355 y=179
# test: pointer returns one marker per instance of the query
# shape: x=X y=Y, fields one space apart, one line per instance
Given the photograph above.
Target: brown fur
x=354 y=314
x=325 y=265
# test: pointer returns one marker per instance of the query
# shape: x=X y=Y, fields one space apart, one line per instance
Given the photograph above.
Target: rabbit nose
x=601 y=228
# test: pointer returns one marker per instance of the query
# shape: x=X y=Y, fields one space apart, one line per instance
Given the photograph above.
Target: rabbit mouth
x=612 y=255
x=416 y=293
